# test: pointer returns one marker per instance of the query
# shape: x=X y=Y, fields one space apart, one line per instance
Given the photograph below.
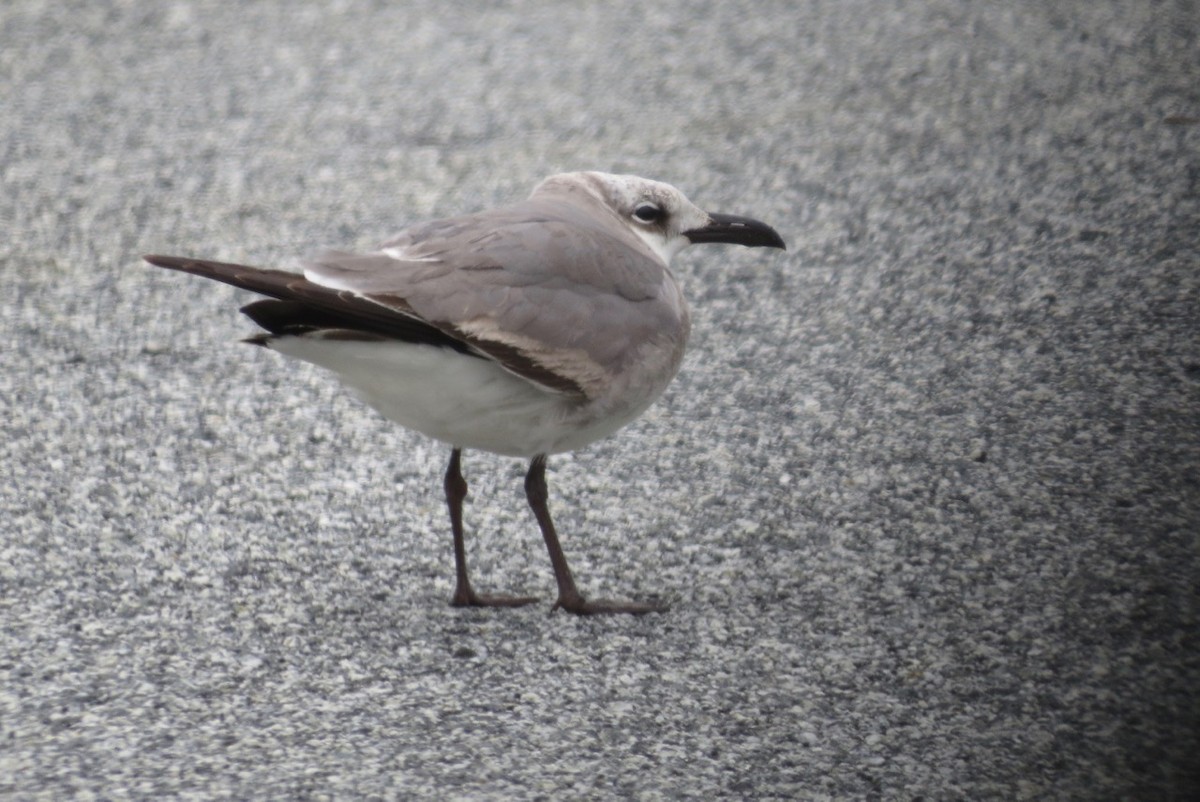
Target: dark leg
x=569 y=597
x=464 y=596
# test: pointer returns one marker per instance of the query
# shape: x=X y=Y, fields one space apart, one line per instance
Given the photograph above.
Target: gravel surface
x=923 y=497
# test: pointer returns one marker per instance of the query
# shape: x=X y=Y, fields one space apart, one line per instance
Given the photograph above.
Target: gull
x=527 y=330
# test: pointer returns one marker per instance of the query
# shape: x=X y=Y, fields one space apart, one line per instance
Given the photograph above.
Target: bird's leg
x=464 y=595
x=569 y=597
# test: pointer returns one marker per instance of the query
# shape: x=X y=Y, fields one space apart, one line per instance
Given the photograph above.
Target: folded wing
x=514 y=285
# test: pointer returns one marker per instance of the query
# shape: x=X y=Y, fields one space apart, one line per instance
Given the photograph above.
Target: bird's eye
x=648 y=213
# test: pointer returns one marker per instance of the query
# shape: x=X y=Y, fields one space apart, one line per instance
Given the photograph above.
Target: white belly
x=462 y=400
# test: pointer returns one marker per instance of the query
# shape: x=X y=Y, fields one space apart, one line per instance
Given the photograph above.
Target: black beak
x=737 y=231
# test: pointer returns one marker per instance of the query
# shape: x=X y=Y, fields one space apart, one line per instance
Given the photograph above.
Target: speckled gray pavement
x=923 y=497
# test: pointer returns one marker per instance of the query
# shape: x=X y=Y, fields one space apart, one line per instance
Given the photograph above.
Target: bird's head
x=659 y=214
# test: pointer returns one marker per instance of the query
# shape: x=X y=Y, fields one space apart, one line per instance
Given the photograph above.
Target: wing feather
x=532 y=285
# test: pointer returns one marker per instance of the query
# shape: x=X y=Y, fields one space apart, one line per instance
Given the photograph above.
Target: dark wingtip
x=172 y=262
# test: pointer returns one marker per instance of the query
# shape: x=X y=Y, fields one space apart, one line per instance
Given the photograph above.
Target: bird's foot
x=470 y=598
x=581 y=606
